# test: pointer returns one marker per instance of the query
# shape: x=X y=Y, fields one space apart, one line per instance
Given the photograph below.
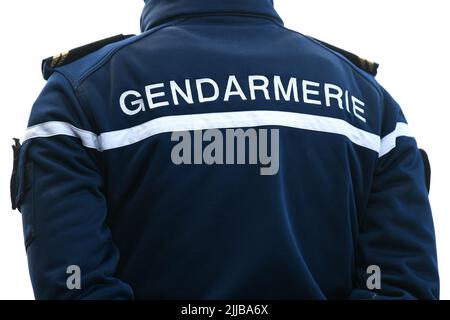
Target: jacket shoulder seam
x=103 y=60
x=76 y=88
x=355 y=68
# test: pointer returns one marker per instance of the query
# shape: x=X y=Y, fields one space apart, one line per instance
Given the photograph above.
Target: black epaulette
x=59 y=60
x=366 y=65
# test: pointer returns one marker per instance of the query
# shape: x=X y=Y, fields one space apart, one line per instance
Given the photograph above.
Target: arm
x=396 y=232
x=60 y=193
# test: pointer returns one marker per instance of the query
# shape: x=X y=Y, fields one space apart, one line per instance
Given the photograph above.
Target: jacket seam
x=78 y=92
x=162 y=25
x=99 y=64
x=359 y=72
x=81 y=96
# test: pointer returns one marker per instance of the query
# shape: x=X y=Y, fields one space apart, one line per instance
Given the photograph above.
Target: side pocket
x=22 y=192
x=14 y=186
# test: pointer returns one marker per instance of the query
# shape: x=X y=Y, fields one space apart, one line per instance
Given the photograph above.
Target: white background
x=409 y=39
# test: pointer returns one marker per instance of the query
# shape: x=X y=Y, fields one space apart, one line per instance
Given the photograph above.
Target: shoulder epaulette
x=364 y=64
x=59 y=60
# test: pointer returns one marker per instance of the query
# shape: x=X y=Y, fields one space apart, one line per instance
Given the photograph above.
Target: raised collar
x=160 y=11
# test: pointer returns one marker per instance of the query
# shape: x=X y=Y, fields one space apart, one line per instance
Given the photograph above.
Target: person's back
x=132 y=182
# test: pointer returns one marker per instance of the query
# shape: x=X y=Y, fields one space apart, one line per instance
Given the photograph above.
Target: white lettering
x=139 y=102
x=261 y=87
x=232 y=81
x=151 y=96
x=291 y=90
x=337 y=94
x=176 y=90
x=358 y=111
x=201 y=96
x=347 y=101
x=307 y=92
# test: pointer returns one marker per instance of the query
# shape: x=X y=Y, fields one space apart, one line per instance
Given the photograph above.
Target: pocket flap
x=20 y=183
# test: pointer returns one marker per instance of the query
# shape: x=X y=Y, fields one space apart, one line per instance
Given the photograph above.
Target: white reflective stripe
x=55 y=128
x=240 y=119
x=389 y=142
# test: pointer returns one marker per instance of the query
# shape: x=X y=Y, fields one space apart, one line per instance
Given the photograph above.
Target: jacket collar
x=160 y=11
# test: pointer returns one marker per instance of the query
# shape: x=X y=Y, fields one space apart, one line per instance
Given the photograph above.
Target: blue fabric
x=139 y=226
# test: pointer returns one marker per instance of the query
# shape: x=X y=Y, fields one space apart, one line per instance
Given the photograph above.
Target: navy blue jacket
x=97 y=186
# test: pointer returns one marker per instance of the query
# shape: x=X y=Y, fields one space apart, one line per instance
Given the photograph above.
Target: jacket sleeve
x=60 y=192
x=396 y=232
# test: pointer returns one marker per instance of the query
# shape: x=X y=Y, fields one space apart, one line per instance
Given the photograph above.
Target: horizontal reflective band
x=242 y=119
x=389 y=142
x=56 y=128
